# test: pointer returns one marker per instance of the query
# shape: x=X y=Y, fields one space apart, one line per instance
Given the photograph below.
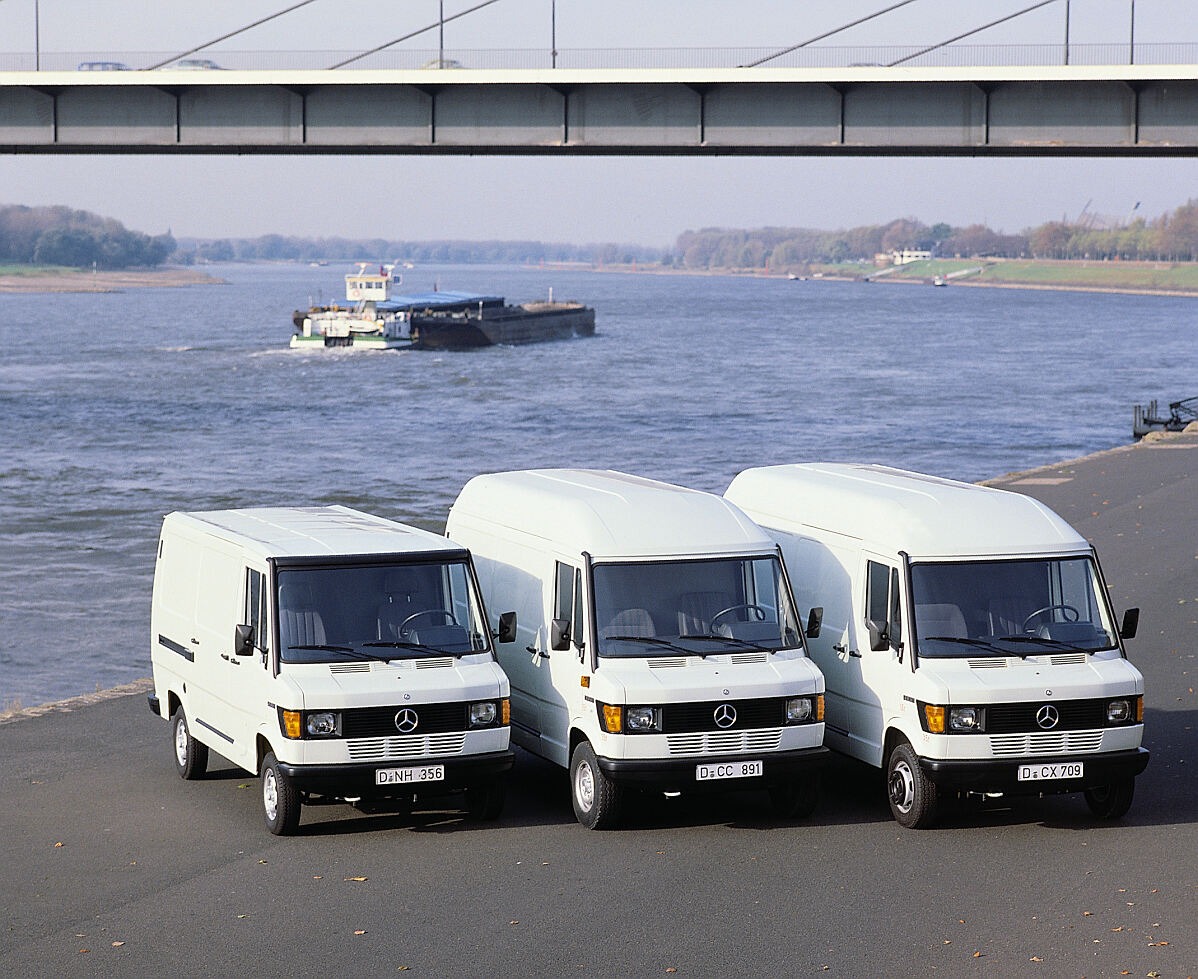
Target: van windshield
x=699 y=607
x=1010 y=608
x=365 y=612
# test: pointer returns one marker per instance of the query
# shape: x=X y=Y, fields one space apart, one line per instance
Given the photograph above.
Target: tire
x=797 y=799
x=596 y=798
x=911 y=793
x=484 y=802
x=191 y=757
x=280 y=799
x=1111 y=801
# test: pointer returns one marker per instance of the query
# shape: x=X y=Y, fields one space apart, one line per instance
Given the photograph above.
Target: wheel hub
x=270 y=795
x=584 y=787
x=902 y=787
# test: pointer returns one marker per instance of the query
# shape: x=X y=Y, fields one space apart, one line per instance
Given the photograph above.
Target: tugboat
x=368 y=319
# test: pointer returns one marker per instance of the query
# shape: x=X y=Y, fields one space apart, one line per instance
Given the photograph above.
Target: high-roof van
x=653 y=641
x=334 y=652
x=968 y=639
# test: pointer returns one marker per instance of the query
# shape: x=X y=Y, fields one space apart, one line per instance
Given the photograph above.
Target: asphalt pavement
x=114 y=865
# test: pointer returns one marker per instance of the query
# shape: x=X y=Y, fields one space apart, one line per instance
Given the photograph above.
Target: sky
x=637 y=200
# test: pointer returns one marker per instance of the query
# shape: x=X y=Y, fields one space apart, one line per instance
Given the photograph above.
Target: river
x=118 y=408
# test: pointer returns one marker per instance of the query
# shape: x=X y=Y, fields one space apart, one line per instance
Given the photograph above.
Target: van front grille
x=1074 y=715
x=1011 y=745
x=406 y=746
x=700 y=716
x=724 y=742
x=369 y=722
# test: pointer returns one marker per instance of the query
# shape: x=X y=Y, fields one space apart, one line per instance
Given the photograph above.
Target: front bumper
x=676 y=774
x=999 y=775
x=357 y=781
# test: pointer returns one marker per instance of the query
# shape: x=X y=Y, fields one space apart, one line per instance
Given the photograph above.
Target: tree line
x=62 y=236
x=1171 y=237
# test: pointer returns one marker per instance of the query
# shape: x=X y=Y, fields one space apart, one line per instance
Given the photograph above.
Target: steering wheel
x=448 y=618
x=1050 y=608
x=755 y=612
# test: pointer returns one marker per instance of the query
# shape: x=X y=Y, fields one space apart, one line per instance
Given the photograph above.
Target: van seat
x=401 y=587
x=631 y=622
x=697 y=608
x=299 y=622
x=940 y=620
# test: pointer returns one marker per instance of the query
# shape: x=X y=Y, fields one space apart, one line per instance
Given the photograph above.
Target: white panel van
x=334 y=652
x=968 y=639
x=655 y=639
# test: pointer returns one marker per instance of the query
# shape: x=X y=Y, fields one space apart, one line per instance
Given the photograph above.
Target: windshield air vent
x=349 y=668
x=441 y=663
x=987 y=664
x=663 y=662
x=748 y=657
x=1066 y=658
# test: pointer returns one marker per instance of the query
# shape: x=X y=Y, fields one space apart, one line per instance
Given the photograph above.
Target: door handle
x=194 y=641
x=840 y=648
x=854 y=653
x=225 y=656
x=537 y=652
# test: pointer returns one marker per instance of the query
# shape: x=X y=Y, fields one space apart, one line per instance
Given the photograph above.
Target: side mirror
x=559 y=634
x=815 y=621
x=243 y=640
x=879 y=634
x=1131 y=624
x=507 y=627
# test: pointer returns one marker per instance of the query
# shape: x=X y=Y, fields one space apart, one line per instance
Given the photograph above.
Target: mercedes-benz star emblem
x=1047 y=716
x=725 y=715
x=406 y=720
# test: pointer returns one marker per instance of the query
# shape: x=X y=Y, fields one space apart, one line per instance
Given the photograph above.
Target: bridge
x=895 y=110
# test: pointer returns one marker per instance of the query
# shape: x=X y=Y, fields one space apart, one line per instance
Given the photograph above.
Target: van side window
x=255 y=607
x=563 y=601
x=877 y=595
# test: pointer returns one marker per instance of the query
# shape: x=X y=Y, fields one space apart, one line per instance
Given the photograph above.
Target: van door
x=217 y=612
x=561 y=690
x=881 y=679
x=248 y=677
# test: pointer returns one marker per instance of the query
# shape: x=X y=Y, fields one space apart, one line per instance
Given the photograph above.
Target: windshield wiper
x=419 y=647
x=654 y=641
x=356 y=654
x=980 y=643
x=1057 y=643
x=743 y=643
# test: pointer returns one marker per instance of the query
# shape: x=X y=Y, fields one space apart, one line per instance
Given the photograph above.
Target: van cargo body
x=968 y=641
x=655 y=642
x=334 y=652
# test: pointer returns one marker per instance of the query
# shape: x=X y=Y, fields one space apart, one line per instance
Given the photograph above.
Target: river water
x=116 y=409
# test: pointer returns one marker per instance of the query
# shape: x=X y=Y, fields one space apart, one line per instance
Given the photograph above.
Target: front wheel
x=912 y=794
x=596 y=798
x=1111 y=801
x=191 y=757
x=280 y=799
x=797 y=799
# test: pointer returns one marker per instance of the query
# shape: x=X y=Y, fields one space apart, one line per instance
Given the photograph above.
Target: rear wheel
x=912 y=794
x=280 y=799
x=485 y=802
x=191 y=757
x=596 y=798
x=797 y=799
x=1111 y=801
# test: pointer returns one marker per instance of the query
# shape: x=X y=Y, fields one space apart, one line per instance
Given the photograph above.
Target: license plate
x=1037 y=773
x=402 y=776
x=730 y=769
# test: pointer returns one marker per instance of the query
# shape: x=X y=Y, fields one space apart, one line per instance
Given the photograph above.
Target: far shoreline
x=104 y=280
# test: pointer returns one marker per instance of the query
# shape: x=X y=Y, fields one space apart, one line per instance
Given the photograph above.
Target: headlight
x=799 y=710
x=483 y=713
x=1118 y=711
x=966 y=720
x=643 y=719
x=323 y=724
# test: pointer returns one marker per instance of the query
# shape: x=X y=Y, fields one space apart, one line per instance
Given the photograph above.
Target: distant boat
x=939 y=281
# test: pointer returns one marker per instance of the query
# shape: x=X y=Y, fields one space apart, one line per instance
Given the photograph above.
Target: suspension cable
x=225 y=37
x=406 y=37
x=976 y=30
x=820 y=37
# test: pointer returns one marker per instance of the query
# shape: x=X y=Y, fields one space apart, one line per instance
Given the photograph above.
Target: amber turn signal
x=935 y=718
x=613 y=718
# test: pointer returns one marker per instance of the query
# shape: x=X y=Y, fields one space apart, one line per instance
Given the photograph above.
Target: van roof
x=610 y=514
x=274 y=532
x=926 y=516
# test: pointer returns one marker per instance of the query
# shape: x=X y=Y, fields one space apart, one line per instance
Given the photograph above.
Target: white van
x=655 y=639
x=336 y=653
x=968 y=639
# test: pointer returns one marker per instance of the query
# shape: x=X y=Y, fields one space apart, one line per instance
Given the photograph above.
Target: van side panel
x=176 y=583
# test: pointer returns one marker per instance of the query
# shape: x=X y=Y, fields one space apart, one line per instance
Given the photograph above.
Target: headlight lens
x=642 y=719
x=483 y=713
x=965 y=720
x=1118 y=711
x=799 y=710
x=323 y=724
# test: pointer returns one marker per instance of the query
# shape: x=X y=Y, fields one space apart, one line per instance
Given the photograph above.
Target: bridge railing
x=815 y=56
